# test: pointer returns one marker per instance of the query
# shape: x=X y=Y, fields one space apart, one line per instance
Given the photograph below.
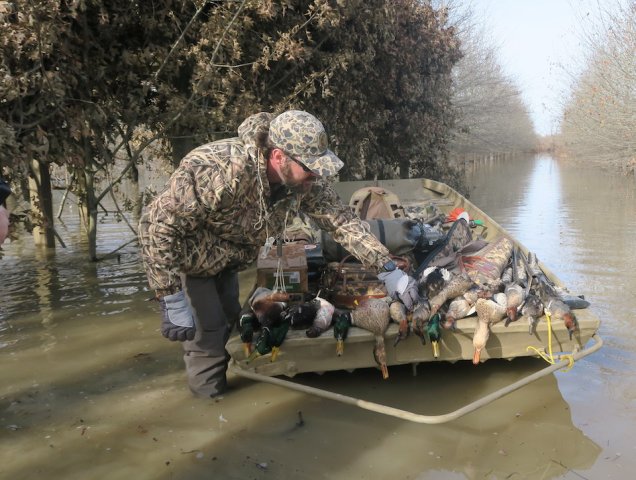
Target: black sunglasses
x=302 y=165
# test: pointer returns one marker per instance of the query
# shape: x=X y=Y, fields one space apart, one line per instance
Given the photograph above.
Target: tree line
x=599 y=118
x=102 y=88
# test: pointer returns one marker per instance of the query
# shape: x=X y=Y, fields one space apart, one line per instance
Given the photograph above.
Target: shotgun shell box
x=293 y=264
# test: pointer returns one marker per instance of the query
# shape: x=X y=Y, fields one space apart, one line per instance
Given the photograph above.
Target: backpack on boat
x=376 y=202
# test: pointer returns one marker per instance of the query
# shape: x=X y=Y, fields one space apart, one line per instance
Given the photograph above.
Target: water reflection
x=586 y=239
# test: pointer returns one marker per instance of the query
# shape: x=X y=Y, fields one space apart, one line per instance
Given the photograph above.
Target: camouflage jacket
x=218 y=209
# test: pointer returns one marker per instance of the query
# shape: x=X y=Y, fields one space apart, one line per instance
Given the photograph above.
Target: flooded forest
x=101 y=100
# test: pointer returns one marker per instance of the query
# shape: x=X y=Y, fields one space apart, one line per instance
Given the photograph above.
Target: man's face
x=296 y=176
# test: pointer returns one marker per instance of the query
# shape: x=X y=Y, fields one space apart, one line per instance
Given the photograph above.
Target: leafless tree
x=599 y=118
x=492 y=115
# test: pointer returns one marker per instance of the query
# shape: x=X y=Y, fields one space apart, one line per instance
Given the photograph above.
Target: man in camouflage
x=220 y=205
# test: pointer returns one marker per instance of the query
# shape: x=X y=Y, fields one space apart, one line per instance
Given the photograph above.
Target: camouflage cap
x=301 y=135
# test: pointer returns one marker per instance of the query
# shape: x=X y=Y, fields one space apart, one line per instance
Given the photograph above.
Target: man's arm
x=326 y=208
x=193 y=192
x=330 y=214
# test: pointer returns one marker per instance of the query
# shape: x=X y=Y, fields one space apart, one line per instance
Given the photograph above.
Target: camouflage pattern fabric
x=218 y=209
x=302 y=136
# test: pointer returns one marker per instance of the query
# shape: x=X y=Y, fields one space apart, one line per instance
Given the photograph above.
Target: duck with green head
x=341 y=324
x=269 y=341
x=247 y=324
x=434 y=332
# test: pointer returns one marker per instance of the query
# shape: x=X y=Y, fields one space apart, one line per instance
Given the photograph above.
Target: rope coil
x=549 y=357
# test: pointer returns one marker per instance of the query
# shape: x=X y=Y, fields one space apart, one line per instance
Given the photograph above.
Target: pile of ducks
x=269 y=313
x=523 y=291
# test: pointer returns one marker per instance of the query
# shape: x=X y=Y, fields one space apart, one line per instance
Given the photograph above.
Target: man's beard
x=290 y=183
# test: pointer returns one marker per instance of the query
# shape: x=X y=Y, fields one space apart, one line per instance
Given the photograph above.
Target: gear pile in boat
x=458 y=274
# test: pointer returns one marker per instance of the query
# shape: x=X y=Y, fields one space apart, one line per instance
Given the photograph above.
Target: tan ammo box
x=293 y=264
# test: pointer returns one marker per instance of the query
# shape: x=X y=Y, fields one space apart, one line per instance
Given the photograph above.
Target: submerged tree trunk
x=41 y=200
x=88 y=210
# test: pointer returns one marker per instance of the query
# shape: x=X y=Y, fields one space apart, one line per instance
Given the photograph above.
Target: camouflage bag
x=376 y=202
x=458 y=241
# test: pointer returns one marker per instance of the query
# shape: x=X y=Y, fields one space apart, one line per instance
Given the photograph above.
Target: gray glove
x=177 y=322
x=394 y=281
x=410 y=296
x=401 y=287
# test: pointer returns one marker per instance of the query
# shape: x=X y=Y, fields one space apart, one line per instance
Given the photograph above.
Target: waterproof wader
x=215 y=307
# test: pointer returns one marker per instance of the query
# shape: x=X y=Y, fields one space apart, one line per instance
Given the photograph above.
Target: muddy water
x=89 y=389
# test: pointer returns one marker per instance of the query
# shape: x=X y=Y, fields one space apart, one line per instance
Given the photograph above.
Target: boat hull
x=301 y=354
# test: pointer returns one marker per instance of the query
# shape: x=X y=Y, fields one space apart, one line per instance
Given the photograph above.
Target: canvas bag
x=376 y=202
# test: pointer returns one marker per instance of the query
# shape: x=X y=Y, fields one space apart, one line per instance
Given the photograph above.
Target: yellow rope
x=550 y=357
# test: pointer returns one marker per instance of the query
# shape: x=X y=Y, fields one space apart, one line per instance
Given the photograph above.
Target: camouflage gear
x=302 y=136
x=218 y=209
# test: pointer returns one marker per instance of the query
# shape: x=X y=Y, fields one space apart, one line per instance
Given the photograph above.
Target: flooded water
x=89 y=388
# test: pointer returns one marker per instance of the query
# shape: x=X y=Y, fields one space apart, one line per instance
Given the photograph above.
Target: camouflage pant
x=215 y=305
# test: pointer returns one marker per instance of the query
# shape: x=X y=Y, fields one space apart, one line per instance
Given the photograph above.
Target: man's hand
x=410 y=297
x=177 y=322
x=395 y=281
x=400 y=286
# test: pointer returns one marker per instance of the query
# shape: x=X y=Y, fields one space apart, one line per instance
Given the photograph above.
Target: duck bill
x=339 y=348
x=275 y=352
x=435 y=345
x=476 y=356
x=247 y=349
x=253 y=356
x=404 y=328
x=385 y=371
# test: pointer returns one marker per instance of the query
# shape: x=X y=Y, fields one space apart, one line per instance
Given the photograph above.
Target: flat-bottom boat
x=301 y=354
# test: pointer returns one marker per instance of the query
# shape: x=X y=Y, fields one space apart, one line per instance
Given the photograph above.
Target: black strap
x=381 y=231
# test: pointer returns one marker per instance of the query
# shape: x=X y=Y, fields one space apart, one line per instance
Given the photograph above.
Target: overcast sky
x=536 y=37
